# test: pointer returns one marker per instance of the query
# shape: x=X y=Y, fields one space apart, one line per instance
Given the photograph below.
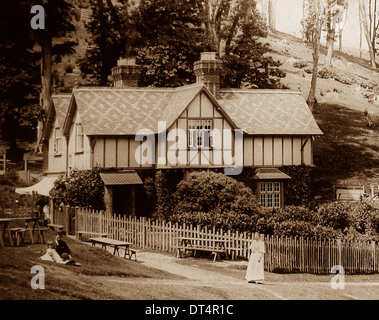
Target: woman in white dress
x=255 y=267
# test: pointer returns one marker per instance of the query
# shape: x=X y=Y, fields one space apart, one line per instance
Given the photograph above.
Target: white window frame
x=270 y=194
x=57 y=141
x=198 y=131
x=79 y=138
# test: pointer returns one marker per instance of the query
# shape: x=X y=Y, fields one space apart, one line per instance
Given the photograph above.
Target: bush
x=84 y=188
x=334 y=215
x=297 y=190
x=209 y=198
x=300 y=64
x=10 y=177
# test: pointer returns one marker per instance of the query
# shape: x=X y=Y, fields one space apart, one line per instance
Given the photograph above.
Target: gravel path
x=203 y=279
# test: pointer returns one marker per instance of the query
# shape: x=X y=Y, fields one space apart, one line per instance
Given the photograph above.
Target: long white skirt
x=255 y=267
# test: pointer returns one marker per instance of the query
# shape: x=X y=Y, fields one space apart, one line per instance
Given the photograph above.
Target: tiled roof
x=112 y=111
x=270 y=174
x=121 y=178
x=61 y=103
x=269 y=112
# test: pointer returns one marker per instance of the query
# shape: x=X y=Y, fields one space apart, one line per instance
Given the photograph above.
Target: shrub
x=297 y=190
x=210 y=198
x=84 y=188
x=300 y=64
x=334 y=215
x=10 y=177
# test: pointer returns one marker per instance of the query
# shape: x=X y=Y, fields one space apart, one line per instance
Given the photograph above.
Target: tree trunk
x=46 y=81
x=329 y=56
x=367 y=32
x=316 y=52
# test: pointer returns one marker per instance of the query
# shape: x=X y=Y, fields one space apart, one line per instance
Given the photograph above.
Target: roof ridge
x=151 y=88
x=287 y=91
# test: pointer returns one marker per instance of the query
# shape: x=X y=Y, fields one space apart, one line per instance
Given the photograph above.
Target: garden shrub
x=210 y=198
x=297 y=190
x=334 y=215
x=83 y=188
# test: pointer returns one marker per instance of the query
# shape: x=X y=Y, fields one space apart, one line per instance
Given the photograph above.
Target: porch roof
x=129 y=177
x=270 y=174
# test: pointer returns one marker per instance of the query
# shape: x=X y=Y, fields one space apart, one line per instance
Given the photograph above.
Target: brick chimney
x=208 y=71
x=126 y=74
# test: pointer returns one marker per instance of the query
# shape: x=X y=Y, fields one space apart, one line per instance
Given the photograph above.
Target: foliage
x=167 y=37
x=297 y=190
x=334 y=215
x=106 y=42
x=170 y=38
x=211 y=199
x=10 y=177
x=19 y=74
x=83 y=188
x=246 y=62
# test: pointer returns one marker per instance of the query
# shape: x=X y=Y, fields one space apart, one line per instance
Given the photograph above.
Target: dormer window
x=57 y=141
x=79 y=137
x=199 y=133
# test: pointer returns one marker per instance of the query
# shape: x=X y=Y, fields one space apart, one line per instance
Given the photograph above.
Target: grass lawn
x=63 y=282
x=348 y=153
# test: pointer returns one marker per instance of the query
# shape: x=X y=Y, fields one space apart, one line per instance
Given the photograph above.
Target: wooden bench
x=55 y=227
x=216 y=247
x=130 y=252
x=350 y=193
x=116 y=244
x=19 y=234
x=79 y=234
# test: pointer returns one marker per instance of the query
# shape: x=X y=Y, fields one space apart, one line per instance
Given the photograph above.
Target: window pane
x=276 y=200
x=263 y=187
x=269 y=200
x=269 y=186
x=263 y=200
x=277 y=186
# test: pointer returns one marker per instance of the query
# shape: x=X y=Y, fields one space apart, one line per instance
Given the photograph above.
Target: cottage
x=198 y=126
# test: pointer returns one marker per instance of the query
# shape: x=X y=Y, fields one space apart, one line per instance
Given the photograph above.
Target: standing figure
x=255 y=267
x=46 y=215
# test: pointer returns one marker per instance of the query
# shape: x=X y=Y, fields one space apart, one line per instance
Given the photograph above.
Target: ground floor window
x=270 y=194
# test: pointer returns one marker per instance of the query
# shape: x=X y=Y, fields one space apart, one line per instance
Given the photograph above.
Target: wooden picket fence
x=283 y=254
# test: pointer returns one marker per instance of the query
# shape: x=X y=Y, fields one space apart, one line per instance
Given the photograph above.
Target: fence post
x=67 y=219
x=373 y=256
x=339 y=252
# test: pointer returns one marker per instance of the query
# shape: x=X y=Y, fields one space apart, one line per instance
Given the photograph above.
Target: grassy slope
x=348 y=153
x=69 y=282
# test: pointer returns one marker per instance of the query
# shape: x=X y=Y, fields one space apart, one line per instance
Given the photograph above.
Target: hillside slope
x=347 y=112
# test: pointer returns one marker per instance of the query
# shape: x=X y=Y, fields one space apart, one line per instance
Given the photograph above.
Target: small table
x=116 y=244
x=5 y=223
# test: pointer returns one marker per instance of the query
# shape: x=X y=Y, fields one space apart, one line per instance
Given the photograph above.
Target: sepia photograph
x=191 y=156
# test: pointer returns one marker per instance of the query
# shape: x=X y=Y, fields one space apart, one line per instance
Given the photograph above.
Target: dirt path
x=203 y=279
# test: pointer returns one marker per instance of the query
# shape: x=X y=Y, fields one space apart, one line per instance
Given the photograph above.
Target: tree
x=109 y=34
x=58 y=25
x=235 y=30
x=19 y=75
x=170 y=41
x=370 y=24
x=318 y=9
